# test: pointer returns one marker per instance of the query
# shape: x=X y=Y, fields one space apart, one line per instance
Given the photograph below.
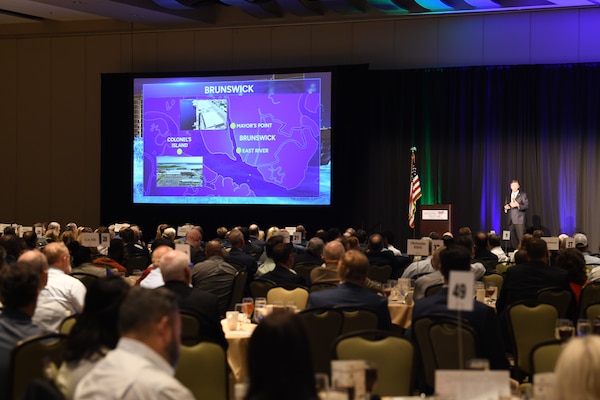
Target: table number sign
x=460 y=290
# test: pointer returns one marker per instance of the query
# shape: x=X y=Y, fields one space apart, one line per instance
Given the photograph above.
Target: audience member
x=177 y=275
x=280 y=370
x=237 y=256
x=114 y=258
x=267 y=265
x=313 y=253
x=388 y=239
x=12 y=245
x=378 y=256
x=573 y=262
x=82 y=261
x=352 y=272
x=494 y=241
x=483 y=318
x=466 y=241
x=581 y=243
x=521 y=247
x=283 y=256
x=193 y=237
x=214 y=275
x=482 y=248
x=94 y=333
x=131 y=247
x=434 y=278
x=19 y=288
x=254 y=239
x=328 y=271
x=576 y=371
x=151 y=277
x=523 y=281
x=63 y=295
x=143 y=363
x=30 y=240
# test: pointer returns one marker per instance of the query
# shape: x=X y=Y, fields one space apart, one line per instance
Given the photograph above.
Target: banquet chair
x=299 y=295
x=530 y=323
x=589 y=294
x=433 y=289
x=592 y=311
x=190 y=328
x=237 y=288
x=202 y=368
x=489 y=265
x=85 y=278
x=132 y=263
x=561 y=299
x=444 y=335
x=502 y=267
x=259 y=287
x=357 y=319
x=67 y=324
x=323 y=325
x=379 y=273
x=544 y=356
x=304 y=270
x=391 y=352
x=496 y=278
x=31 y=358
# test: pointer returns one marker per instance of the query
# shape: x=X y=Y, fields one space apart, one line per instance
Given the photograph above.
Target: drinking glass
x=491 y=291
x=370 y=378
x=249 y=301
x=564 y=329
x=241 y=309
x=596 y=327
x=260 y=309
x=321 y=383
x=584 y=327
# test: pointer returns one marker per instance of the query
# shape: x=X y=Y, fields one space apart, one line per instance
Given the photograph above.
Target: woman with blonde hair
x=577 y=369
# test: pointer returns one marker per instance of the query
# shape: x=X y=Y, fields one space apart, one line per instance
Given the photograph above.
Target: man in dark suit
x=516 y=209
x=352 y=271
x=174 y=266
x=483 y=319
x=283 y=257
x=377 y=255
x=522 y=281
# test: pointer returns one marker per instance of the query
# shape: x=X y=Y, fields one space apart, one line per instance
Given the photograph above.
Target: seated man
x=143 y=364
x=434 y=278
x=483 y=318
x=63 y=294
x=20 y=285
x=283 y=257
x=377 y=255
x=177 y=275
x=151 y=277
x=327 y=273
x=352 y=272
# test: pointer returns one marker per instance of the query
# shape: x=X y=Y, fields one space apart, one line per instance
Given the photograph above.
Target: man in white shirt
x=143 y=364
x=494 y=241
x=152 y=277
x=63 y=295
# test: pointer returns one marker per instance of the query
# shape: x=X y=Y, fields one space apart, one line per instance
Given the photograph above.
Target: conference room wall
x=50 y=97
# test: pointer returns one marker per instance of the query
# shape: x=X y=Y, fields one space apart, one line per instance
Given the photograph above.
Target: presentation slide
x=233 y=140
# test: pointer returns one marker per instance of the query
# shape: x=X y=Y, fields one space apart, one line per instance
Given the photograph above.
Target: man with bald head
x=327 y=273
x=177 y=274
x=151 y=277
x=215 y=275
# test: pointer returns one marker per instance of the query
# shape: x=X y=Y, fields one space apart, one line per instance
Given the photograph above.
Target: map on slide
x=232 y=142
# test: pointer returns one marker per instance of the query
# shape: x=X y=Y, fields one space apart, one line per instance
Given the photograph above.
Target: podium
x=436 y=218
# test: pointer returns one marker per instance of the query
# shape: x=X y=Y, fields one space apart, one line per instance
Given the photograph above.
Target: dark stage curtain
x=475 y=129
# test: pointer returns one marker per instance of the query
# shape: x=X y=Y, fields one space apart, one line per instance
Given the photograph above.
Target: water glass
x=584 y=327
x=564 y=329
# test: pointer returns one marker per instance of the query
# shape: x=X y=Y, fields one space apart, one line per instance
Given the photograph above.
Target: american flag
x=415 y=191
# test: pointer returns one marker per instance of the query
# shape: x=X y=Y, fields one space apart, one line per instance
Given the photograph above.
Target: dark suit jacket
x=483 y=319
x=518 y=215
x=281 y=275
x=204 y=306
x=522 y=282
x=349 y=294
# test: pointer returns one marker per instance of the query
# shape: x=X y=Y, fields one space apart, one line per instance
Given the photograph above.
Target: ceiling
x=53 y=15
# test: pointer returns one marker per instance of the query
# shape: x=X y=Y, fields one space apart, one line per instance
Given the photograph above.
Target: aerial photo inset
x=179 y=171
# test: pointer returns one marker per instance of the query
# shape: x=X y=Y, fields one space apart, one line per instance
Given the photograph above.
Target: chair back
x=444 y=336
x=592 y=312
x=260 y=287
x=323 y=326
x=544 y=356
x=67 y=324
x=489 y=265
x=85 y=278
x=379 y=273
x=132 y=263
x=495 y=278
x=202 y=368
x=358 y=319
x=237 y=288
x=433 y=289
x=530 y=323
x=589 y=294
x=303 y=270
x=502 y=267
x=392 y=353
x=190 y=328
x=560 y=299
x=299 y=295
x=30 y=358
x=315 y=287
